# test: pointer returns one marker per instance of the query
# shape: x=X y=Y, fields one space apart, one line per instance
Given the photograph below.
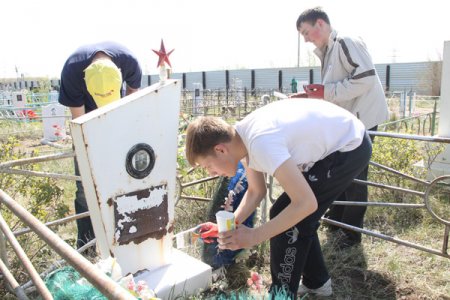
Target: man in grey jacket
x=349 y=79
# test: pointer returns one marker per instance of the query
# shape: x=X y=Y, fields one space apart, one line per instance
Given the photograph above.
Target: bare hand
x=241 y=237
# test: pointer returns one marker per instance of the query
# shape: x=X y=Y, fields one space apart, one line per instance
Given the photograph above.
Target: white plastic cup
x=225 y=221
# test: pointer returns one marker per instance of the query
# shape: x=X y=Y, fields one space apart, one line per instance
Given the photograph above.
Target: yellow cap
x=103 y=81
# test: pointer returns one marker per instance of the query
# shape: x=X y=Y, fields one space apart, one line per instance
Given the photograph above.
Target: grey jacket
x=351 y=81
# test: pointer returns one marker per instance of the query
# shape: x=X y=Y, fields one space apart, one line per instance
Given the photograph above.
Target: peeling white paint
x=125 y=219
x=131 y=204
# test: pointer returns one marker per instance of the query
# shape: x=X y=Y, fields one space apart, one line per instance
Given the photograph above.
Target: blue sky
x=37 y=36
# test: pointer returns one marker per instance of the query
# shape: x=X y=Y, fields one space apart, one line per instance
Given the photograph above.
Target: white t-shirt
x=306 y=130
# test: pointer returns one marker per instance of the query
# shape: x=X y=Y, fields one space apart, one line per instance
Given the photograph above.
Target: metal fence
x=110 y=288
x=222 y=102
x=232 y=104
x=412 y=114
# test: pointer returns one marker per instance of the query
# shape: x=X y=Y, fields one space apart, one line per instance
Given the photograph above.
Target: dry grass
x=375 y=270
x=379 y=269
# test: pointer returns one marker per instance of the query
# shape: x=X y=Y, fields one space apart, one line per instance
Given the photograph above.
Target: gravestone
x=197 y=98
x=441 y=165
x=54 y=122
x=127 y=154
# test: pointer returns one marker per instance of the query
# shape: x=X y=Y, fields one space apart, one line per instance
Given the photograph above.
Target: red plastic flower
x=131 y=285
x=255 y=281
x=141 y=285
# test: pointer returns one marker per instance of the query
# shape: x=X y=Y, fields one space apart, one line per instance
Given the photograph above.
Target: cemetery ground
x=376 y=269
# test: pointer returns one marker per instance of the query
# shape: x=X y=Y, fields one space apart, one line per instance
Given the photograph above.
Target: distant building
x=421 y=77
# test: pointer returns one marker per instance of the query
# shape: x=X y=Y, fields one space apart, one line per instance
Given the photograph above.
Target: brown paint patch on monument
x=148 y=222
x=170 y=228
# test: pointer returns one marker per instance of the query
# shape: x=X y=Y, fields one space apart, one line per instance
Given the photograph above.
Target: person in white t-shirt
x=314 y=149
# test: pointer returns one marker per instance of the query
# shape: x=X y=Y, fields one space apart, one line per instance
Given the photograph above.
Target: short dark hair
x=312 y=15
x=203 y=134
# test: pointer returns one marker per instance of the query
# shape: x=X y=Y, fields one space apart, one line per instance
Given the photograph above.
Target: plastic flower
x=255 y=282
x=131 y=285
x=141 y=285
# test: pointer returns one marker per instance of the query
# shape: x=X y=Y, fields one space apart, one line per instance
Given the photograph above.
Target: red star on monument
x=163 y=56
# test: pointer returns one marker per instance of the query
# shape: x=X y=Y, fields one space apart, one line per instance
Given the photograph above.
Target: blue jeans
x=211 y=255
x=296 y=253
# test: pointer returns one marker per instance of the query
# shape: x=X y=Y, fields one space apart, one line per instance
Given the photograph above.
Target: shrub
x=404 y=156
x=40 y=196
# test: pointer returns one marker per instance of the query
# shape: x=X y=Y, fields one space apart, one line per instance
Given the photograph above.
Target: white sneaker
x=324 y=290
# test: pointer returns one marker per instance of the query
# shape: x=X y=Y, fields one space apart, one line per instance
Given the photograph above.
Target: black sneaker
x=345 y=239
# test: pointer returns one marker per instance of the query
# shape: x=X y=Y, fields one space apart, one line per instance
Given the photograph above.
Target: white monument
x=19 y=99
x=441 y=165
x=239 y=91
x=197 y=98
x=127 y=153
x=54 y=122
x=53 y=96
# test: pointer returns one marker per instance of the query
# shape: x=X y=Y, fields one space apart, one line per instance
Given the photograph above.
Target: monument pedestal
x=441 y=165
x=183 y=276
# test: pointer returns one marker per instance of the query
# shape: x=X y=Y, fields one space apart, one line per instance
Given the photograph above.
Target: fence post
x=245 y=99
x=3 y=254
x=253 y=84
x=280 y=81
x=433 y=121
x=204 y=80
x=311 y=76
x=227 y=83
x=388 y=78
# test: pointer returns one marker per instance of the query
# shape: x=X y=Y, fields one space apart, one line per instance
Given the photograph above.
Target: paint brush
x=186 y=238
